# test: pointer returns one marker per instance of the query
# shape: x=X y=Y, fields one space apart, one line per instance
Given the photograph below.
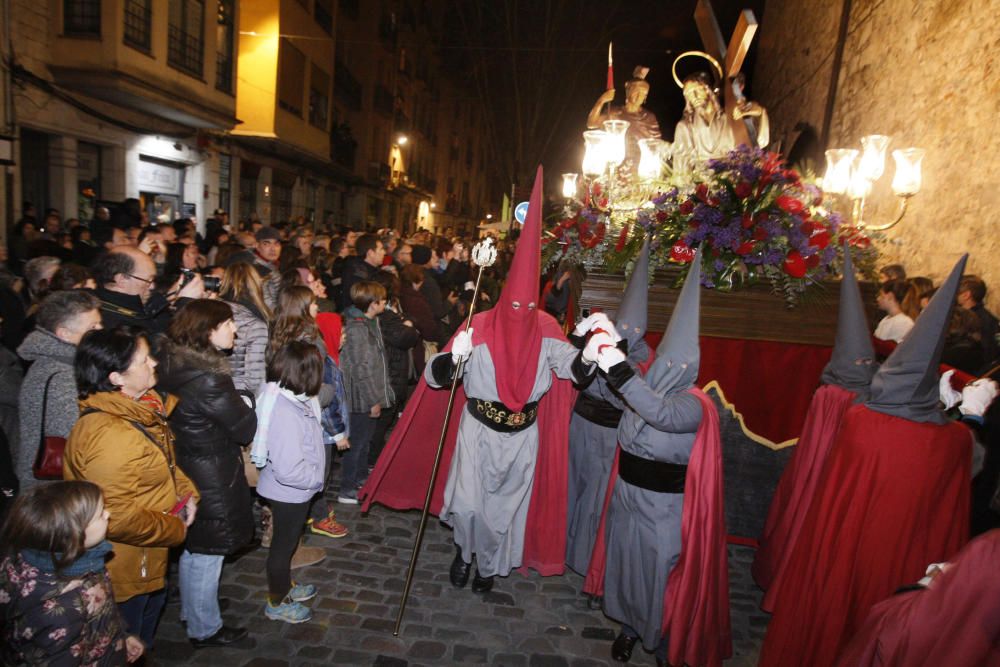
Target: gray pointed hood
x=907 y=383
x=633 y=314
x=678 y=354
x=852 y=362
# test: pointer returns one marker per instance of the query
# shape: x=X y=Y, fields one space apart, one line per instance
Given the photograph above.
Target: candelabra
x=852 y=174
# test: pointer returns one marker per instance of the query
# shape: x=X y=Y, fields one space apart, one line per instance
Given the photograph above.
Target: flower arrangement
x=755 y=219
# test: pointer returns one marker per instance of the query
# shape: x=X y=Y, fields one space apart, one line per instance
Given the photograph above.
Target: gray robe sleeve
x=676 y=413
x=566 y=361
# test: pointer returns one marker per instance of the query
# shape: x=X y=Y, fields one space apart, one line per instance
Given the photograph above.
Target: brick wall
x=926 y=73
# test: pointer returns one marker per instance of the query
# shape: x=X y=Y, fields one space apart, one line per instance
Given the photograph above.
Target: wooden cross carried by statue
x=749 y=118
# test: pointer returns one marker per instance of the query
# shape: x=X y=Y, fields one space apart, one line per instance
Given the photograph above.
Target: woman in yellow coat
x=123 y=444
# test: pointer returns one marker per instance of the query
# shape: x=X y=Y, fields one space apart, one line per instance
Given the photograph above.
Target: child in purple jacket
x=289 y=448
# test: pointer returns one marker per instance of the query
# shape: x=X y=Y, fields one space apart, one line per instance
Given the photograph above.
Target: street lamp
x=489 y=216
x=402 y=139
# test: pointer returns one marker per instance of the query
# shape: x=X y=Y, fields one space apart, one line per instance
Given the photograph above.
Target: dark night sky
x=536 y=67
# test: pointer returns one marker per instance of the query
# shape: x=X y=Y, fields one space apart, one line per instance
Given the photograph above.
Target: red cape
x=696 y=601
x=893 y=497
x=798 y=486
x=955 y=622
x=403 y=470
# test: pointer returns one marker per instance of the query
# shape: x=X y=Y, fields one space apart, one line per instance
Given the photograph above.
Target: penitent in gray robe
x=591 y=454
x=644 y=527
x=489 y=484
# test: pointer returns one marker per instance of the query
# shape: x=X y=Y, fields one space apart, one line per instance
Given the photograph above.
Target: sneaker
x=305 y=556
x=288 y=611
x=302 y=592
x=348 y=498
x=267 y=527
x=329 y=527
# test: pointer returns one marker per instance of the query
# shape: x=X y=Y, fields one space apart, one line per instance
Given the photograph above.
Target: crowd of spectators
x=168 y=360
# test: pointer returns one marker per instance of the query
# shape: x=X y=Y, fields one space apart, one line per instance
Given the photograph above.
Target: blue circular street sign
x=521 y=212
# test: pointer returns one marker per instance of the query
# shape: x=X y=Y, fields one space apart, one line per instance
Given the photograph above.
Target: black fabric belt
x=651 y=475
x=502 y=419
x=597 y=410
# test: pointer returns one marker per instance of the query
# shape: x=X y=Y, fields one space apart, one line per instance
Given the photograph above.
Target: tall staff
x=484 y=254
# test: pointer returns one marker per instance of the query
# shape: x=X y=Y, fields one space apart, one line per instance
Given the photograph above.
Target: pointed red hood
x=511 y=330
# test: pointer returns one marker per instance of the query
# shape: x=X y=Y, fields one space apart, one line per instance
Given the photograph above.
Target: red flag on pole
x=611 y=70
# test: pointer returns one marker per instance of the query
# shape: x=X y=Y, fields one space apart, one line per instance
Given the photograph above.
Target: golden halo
x=702 y=54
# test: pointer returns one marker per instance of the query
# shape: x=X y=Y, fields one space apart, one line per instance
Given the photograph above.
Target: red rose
x=820 y=238
x=792 y=175
x=759 y=218
x=747 y=221
x=812 y=261
x=681 y=252
x=759 y=234
x=597 y=189
x=603 y=203
x=743 y=189
x=622 y=239
x=795 y=264
x=744 y=248
x=789 y=204
x=687 y=207
x=860 y=242
x=661 y=216
x=701 y=192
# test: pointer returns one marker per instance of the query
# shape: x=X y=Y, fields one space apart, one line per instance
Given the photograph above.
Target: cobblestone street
x=530 y=621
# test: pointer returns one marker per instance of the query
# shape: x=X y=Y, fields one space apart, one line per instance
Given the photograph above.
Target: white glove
x=594 y=346
x=608 y=357
x=948 y=396
x=977 y=396
x=461 y=347
x=590 y=322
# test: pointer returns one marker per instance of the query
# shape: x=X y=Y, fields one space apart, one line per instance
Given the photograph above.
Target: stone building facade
x=927 y=74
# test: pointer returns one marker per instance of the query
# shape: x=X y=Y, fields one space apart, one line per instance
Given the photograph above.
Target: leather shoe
x=621 y=649
x=481 y=584
x=224 y=637
x=595 y=602
x=459 y=573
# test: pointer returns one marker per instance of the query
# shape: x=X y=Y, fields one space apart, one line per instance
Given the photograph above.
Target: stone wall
x=926 y=73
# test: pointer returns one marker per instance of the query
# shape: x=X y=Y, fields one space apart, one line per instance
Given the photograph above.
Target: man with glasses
x=125 y=278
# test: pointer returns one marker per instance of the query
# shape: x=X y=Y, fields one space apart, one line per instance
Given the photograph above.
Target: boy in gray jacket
x=366 y=381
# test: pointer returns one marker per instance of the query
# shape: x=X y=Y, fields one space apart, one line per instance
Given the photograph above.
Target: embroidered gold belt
x=499 y=417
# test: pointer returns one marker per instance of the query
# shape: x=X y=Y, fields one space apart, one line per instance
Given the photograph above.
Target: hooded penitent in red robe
x=892 y=497
x=955 y=622
x=512 y=331
x=845 y=378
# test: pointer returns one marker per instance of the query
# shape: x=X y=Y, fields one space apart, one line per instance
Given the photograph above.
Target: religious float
x=773 y=241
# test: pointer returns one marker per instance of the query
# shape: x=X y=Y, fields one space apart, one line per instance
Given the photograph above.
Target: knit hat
x=267 y=233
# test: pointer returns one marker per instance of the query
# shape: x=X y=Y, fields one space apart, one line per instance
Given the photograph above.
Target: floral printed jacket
x=69 y=618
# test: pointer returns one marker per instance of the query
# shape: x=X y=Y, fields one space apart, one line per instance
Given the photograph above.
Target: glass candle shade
x=839 y=169
x=906 y=182
x=594 y=159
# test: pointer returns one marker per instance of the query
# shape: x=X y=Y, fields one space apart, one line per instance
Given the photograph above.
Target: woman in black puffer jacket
x=211 y=422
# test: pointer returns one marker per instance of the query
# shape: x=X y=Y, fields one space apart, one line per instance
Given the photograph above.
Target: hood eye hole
x=515 y=305
x=531 y=306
